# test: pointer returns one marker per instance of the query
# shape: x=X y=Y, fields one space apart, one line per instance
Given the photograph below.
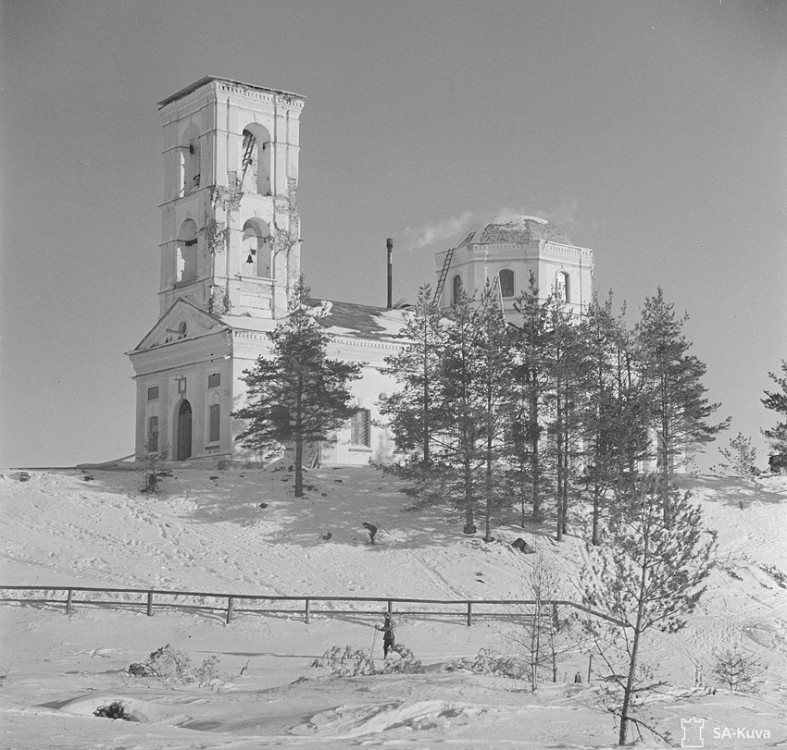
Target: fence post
x=150 y=604
x=230 y=608
x=469 y=614
x=68 y=601
x=555 y=620
x=307 y=611
x=390 y=606
x=590 y=665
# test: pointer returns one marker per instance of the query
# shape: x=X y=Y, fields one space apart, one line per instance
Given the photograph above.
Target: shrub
x=344 y=662
x=489 y=662
x=174 y=666
x=116 y=710
x=407 y=664
x=737 y=671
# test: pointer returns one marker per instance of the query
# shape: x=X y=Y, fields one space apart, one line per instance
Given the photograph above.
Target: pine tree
x=615 y=429
x=411 y=409
x=651 y=577
x=673 y=379
x=566 y=400
x=739 y=457
x=777 y=401
x=296 y=395
x=526 y=447
x=494 y=368
x=460 y=396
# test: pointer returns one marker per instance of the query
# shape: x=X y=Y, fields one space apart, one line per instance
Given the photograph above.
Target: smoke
x=562 y=214
x=431 y=234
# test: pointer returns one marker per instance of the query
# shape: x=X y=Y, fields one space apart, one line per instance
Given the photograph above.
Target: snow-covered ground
x=207 y=531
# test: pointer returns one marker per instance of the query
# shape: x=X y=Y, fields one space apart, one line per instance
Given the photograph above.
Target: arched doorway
x=184 y=431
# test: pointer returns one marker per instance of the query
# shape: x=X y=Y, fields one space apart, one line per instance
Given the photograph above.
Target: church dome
x=516 y=228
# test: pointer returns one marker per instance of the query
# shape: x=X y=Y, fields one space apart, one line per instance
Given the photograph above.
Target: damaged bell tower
x=230 y=233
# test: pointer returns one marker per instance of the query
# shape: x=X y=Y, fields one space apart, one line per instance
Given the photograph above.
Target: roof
x=363 y=321
x=207 y=79
x=338 y=318
x=517 y=228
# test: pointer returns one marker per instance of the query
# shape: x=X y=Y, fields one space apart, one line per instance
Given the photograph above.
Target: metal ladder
x=443 y=275
x=249 y=141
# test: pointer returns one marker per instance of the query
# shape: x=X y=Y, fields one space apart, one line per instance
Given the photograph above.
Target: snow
x=206 y=531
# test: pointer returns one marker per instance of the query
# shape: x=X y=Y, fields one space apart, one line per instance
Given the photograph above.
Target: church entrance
x=184 y=431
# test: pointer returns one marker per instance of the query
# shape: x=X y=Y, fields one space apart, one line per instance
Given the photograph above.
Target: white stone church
x=231 y=253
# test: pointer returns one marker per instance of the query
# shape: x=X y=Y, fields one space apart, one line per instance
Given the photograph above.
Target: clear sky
x=652 y=132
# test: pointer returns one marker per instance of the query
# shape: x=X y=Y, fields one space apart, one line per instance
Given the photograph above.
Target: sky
x=652 y=132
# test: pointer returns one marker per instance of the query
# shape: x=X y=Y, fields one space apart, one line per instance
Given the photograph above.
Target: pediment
x=181 y=322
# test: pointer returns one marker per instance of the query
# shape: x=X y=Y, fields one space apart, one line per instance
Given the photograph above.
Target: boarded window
x=361 y=428
x=153 y=434
x=214 y=423
x=153 y=393
x=507 y=282
x=214 y=380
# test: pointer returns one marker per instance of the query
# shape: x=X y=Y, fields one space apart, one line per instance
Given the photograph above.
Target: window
x=562 y=289
x=186 y=261
x=190 y=168
x=214 y=380
x=255 y=160
x=456 y=289
x=153 y=434
x=361 y=428
x=256 y=250
x=153 y=393
x=214 y=423
x=507 y=282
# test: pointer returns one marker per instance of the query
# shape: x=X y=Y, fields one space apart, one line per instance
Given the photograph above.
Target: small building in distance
x=231 y=255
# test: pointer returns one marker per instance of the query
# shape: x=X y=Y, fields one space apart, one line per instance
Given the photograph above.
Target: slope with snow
x=243 y=532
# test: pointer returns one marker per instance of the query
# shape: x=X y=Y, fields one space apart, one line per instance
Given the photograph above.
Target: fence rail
x=149 y=598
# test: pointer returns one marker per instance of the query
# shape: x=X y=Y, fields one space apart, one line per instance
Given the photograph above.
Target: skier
x=387 y=628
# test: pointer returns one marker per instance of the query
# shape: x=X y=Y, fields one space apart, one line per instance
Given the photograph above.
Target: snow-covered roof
x=518 y=228
x=339 y=318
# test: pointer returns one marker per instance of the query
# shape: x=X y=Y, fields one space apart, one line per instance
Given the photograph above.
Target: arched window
x=506 y=282
x=190 y=168
x=186 y=261
x=562 y=289
x=456 y=289
x=256 y=251
x=255 y=160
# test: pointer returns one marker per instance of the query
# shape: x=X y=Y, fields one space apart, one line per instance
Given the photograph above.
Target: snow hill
x=239 y=532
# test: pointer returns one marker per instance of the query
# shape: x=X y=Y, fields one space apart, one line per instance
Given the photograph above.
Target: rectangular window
x=214 y=380
x=361 y=428
x=214 y=423
x=153 y=434
x=153 y=393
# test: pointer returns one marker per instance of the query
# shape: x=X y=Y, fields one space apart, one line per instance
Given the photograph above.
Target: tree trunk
x=469 y=518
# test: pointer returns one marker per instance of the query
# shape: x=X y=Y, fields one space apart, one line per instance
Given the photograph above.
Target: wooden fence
x=229 y=604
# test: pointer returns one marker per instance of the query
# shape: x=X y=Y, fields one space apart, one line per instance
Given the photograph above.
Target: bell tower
x=230 y=232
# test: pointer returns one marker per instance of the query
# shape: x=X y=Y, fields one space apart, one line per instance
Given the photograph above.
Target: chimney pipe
x=389 y=246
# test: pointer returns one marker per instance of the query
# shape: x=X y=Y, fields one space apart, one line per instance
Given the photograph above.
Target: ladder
x=443 y=275
x=249 y=141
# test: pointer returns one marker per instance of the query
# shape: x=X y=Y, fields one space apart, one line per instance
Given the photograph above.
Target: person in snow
x=387 y=628
x=372 y=529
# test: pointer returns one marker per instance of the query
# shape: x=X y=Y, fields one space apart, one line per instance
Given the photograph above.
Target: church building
x=231 y=254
